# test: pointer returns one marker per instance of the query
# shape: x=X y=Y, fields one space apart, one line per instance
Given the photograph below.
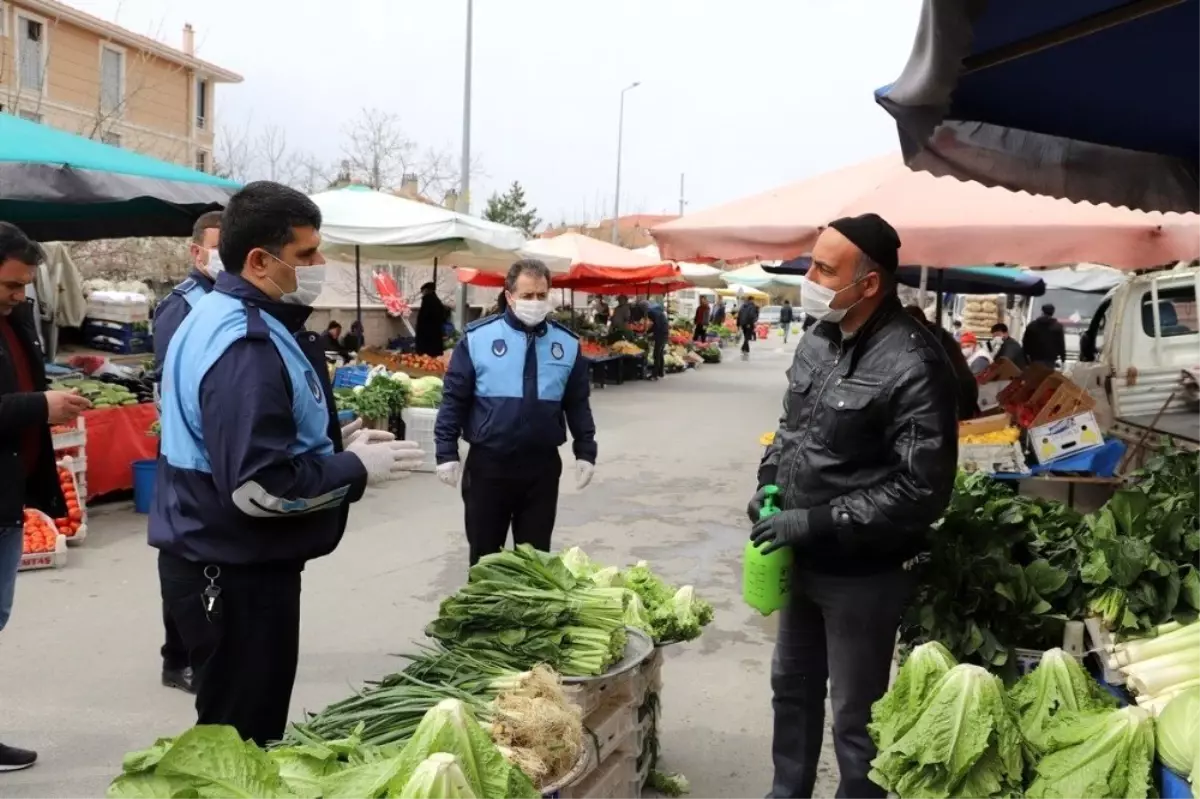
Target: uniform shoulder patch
x=563 y=328
x=478 y=323
x=184 y=287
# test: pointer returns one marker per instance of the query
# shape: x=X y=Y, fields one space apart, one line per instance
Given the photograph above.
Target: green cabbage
x=426 y=392
x=1099 y=753
x=900 y=707
x=1178 y=733
x=964 y=742
x=578 y=563
x=1058 y=684
x=438 y=777
x=608 y=577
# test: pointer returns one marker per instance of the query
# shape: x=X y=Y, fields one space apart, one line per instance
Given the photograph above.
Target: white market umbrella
x=699 y=275
x=358 y=222
x=755 y=277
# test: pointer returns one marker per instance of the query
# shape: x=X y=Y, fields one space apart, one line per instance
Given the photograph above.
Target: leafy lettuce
x=1098 y=753
x=964 y=742
x=899 y=708
x=1058 y=685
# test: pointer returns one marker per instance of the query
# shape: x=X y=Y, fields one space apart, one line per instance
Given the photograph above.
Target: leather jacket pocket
x=799 y=399
x=847 y=427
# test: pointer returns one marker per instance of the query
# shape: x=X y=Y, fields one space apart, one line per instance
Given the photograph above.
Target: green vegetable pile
x=449 y=755
x=1177 y=734
x=947 y=730
x=426 y=392
x=523 y=607
x=1007 y=571
x=384 y=395
x=665 y=613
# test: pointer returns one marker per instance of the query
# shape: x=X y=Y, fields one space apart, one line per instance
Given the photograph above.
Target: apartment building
x=62 y=67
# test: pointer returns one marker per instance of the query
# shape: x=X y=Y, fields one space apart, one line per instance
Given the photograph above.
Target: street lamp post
x=463 y=202
x=620 y=141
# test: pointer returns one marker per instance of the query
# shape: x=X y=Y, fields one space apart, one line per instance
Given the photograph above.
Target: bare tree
x=272 y=150
x=378 y=150
x=234 y=153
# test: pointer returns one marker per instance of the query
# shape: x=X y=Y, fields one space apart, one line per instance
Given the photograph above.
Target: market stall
x=551 y=691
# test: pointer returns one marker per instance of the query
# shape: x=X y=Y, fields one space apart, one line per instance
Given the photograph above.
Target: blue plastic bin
x=351 y=376
x=144 y=473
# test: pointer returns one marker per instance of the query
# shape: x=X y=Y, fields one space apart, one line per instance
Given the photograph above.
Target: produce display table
x=601 y=365
x=116 y=437
x=1069 y=480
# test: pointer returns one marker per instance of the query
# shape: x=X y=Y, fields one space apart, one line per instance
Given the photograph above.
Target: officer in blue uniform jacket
x=516 y=383
x=253 y=481
x=170 y=313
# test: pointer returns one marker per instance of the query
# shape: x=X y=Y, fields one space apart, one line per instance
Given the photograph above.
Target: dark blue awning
x=953 y=280
x=1091 y=100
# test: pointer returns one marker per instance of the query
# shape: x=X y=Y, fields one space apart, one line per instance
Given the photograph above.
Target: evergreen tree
x=511 y=209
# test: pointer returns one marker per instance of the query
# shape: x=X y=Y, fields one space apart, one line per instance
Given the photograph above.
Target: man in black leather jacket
x=865 y=458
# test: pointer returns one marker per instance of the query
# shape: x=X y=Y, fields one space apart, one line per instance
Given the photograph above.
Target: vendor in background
x=747 y=318
x=1004 y=346
x=514 y=407
x=599 y=310
x=864 y=459
x=968 y=389
x=977 y=357
x=1045 y=341
x=353 y=341
x=168 y=316
x=701 y=321
x=786 y=316
x=27 y=409
x=660 y=328
x=718 y=314
x=431 y=322
x=331 y=341
x=621 y=314
x=254 y=483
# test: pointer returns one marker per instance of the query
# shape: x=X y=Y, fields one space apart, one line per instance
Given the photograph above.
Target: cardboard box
x=983 y=424
x=1065 y=437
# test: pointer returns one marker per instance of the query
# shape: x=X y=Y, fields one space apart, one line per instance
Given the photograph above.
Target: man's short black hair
x=16 y=245
x=1000 y=327
x=207 y=221
x=430 y=286
x=1048 y=309
x=334 y=325
x=261 y=216
x=526 y=266
x=958 y=323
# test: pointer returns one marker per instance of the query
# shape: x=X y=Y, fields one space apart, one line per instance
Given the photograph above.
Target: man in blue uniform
x=253 y=481
x=516 y=383
x=170 y=313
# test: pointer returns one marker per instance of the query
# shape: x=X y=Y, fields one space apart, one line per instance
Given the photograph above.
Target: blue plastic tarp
x=1092 y=100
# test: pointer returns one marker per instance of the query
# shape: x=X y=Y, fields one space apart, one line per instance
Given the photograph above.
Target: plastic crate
x=418 y=427
x=611 y=727
x=72 y=439
x=46 y=560
x=117 y=337
x=616 y=778
x=351 y=376
x=78 y=469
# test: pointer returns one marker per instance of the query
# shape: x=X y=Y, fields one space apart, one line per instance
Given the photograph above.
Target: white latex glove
x=386 y=460
x=584 y=472
x=354 y=432
x=449 y=473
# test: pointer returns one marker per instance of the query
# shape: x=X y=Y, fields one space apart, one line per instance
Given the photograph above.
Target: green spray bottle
x=766 y=579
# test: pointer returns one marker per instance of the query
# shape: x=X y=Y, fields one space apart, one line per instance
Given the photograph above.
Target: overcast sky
x=739 y=95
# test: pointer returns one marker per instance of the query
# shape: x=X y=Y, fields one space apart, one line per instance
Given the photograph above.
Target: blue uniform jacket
x=174 y=308
x=252 y=469
x=512 y=390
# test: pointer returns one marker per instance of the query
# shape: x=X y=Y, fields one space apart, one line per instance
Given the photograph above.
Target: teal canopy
x=59 y=186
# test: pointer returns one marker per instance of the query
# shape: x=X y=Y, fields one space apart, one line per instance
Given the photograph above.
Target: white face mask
x=531 y=312
x=997 y=342
x=309 y=282
x=815 y=301
x=214 y=266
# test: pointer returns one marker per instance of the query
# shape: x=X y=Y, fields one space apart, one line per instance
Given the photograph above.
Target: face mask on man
x=214 y=266
x=997 y=342
x=815 y=301
x=309 y=282
x=531 y=312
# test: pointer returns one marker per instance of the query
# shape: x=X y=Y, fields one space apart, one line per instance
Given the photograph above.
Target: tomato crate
x=75 y=437
x=55 y=559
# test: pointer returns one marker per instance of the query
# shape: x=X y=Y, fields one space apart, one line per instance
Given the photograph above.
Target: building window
x=201 y=104
x=112 y=80
x=111 y=138
x=32 y=116
x=201 y=160
x=31 y=53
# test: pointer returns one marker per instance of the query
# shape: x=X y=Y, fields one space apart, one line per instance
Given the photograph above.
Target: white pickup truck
x=1141 y=356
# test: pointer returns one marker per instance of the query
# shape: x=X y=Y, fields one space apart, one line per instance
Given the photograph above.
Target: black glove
x=756 y=503
x=787 y=528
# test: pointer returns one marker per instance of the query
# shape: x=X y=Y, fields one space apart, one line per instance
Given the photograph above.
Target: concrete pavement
x=79 y=665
